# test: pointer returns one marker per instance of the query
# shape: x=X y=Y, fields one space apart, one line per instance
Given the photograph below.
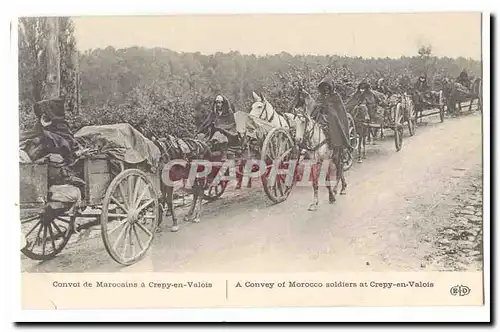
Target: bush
x=27 y=118
x=162 y=92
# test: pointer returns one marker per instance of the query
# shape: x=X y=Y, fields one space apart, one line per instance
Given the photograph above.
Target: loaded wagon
x=120 y=192
x=431 y=102
x=259 y=140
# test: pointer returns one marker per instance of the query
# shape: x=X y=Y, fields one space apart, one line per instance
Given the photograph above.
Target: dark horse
x=186 y=149
x=357 y=107
x=455 y=94
x=424 y=100
x=361 y=118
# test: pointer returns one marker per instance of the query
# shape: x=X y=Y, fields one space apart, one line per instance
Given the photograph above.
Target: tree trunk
x=53 y=79
x=77 y=81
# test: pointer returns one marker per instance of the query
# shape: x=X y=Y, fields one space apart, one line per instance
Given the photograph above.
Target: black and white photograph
x=251 y=143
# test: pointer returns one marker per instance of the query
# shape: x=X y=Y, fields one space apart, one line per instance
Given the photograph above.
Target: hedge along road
x=394 y=201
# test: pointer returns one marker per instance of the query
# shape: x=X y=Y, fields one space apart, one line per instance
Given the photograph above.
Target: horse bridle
x=264 y=109
x=272 y=116
x=308 y=133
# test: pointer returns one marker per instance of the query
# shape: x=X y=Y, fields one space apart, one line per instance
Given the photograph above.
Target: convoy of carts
x=122 y=182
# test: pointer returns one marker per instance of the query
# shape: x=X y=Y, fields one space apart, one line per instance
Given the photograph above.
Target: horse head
x=302 y=114
x=414 y=94
x=357 y=98
x=261 y=108
x=300 y=120
x=447 y=83
x=299 y=98
x=360 y=113
x=304 y=101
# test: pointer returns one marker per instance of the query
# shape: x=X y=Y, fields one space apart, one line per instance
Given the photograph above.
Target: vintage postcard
x=252 y=160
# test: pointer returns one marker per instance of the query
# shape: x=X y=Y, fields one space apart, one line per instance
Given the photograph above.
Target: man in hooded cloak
x=331 y=113
x=220 y=117
x=51 y=133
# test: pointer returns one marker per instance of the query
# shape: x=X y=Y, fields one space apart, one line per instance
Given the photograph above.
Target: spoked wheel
x=278 y=150
x=46 y=234
x=353 y=134
x=348 y=156
x=411 y=117
x=398 y=127
x=347 y=159
x=480 y=97
x=441 y=113
x=130 y=216
x=441 y=106
x=215 y=192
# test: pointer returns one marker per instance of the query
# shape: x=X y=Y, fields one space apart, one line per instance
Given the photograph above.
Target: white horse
x=312 y=139
x=263 y=109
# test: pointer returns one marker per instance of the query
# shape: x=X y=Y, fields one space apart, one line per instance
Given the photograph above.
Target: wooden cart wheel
x=215 y=192
x=129 y=230
x=479 y=106
x=441 y=106
x=46 y=234
x=411 y=117
x=278 y=149
x=398 y=127
x=347 y=159
x=353 y=134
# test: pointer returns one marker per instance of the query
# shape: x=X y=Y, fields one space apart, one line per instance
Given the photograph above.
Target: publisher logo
x=459 y=290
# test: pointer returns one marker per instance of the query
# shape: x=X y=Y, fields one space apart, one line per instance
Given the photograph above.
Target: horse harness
x=309 y=133
x=186 y=148
x=272 y=116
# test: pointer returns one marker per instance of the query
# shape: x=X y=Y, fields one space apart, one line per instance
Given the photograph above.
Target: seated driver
x=423 y=89
x=383 y=88
x=220 y=126
x=463 y=79
x=51 y=141
x=374 y=103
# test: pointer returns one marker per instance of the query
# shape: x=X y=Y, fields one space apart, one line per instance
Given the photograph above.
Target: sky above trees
x=365 y=35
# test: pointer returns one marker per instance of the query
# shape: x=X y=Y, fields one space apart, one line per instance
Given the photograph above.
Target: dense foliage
x=32 y=69
x=161 y=91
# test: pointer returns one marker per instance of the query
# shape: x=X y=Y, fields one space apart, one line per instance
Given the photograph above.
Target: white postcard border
x=10 y=170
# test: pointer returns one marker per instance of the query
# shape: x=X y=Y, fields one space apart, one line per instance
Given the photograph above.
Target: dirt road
x=417 y=209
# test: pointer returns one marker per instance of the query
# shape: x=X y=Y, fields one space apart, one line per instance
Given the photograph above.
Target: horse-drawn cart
x=120 y=192
x=373 y=111
x=259 y=140
x=456 y=94
x=393 y=119
x=354 y=141
x=409 y=113
x=431 y=103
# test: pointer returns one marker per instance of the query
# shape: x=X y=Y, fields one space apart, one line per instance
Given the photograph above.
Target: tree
x=166 y=92
x=425 y=53
x=47 y=63
x=52 y=59
x=32 y=40
x=69 y=60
